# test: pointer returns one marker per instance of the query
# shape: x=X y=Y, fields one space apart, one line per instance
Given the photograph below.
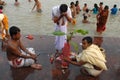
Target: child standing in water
x=37 y=5
x=85 y=16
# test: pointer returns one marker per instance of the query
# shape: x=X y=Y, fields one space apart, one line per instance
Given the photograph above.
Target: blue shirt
x=114 y=11
x=95 y=11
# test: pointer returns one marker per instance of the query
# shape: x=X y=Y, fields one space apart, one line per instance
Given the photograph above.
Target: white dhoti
x=60 y=40
x=20 y=62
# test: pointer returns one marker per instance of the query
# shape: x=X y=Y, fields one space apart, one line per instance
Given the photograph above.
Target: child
x=85 y=16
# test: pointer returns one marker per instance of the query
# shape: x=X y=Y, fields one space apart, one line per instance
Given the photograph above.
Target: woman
x=102 y=19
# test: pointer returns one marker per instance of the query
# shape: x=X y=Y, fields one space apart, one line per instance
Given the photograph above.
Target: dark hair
x=1 y=7
x=106 y=7
x=72 y=3
x=101 y=3
x=88 y=39
x=77 y=2
x=13 y=30
x=115 y=6
x=63 y=8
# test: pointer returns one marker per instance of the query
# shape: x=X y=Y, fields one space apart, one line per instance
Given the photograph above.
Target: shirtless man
x=17 y=54
x=37 y=5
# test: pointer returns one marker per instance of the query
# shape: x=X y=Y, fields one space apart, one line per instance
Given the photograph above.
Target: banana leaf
x=83 y=32
x=58 y=33
x=75 y=46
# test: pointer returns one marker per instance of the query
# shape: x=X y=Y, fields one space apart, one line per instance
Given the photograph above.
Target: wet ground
x=45 y=46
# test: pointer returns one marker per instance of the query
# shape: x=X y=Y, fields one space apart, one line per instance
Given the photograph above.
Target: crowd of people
x=91 y=59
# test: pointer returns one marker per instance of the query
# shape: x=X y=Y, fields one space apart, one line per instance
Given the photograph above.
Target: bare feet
x=36 y=66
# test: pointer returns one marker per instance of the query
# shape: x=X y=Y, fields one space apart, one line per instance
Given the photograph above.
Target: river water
x=31 y=22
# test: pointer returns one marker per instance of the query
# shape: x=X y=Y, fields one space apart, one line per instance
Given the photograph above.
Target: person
x=95 y=9
x=98 y=40
x=3 y=28
x=102 y=20
x=85 y=7
x=77 y=7
x=16 y=3
x=100 y=6
x=85 y=16
x=2 y=2
x=38 y=6
x=19 y=56
x=91 y=60
x=61 y=15
x=114 y=10
x=73 y=9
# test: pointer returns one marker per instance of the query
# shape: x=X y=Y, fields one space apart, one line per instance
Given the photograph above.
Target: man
x=91 y=59
x=38 y=6
x=102 y=20
x=17 y=54
x=61 y=15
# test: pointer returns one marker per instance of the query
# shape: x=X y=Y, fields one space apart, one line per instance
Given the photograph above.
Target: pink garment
x=1 y=11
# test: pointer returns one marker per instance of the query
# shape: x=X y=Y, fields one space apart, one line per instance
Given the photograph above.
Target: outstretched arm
x=34 y=7
x=80 y=63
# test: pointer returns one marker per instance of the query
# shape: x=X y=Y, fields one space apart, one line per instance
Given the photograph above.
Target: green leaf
x=75 y=46
x=58 y=33
x=83 y=32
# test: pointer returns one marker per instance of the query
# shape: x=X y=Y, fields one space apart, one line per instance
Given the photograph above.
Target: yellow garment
x=93 y=56
x=3 y=25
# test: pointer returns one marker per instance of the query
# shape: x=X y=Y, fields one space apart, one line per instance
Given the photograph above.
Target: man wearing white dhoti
x=17 y=54
x=61 y=15
x=91 y=59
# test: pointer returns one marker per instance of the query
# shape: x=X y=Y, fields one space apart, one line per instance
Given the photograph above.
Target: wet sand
x=44 y=45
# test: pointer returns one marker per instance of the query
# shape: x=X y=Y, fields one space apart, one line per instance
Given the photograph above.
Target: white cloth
x=93 y=56
x=20 y=62
x=60 y=40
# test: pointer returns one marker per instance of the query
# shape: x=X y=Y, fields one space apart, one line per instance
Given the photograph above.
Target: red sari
x=102 y=19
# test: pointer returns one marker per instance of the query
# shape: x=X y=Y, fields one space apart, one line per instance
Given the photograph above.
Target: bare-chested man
x=17 y=54
x=37 y=5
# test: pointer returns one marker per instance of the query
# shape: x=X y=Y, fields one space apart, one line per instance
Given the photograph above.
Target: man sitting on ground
x=17 y=54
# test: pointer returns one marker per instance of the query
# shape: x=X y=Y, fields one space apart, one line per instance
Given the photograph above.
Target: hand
x=7 y=36
x=67 y=59
x=33 y=56
x=64 y=14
